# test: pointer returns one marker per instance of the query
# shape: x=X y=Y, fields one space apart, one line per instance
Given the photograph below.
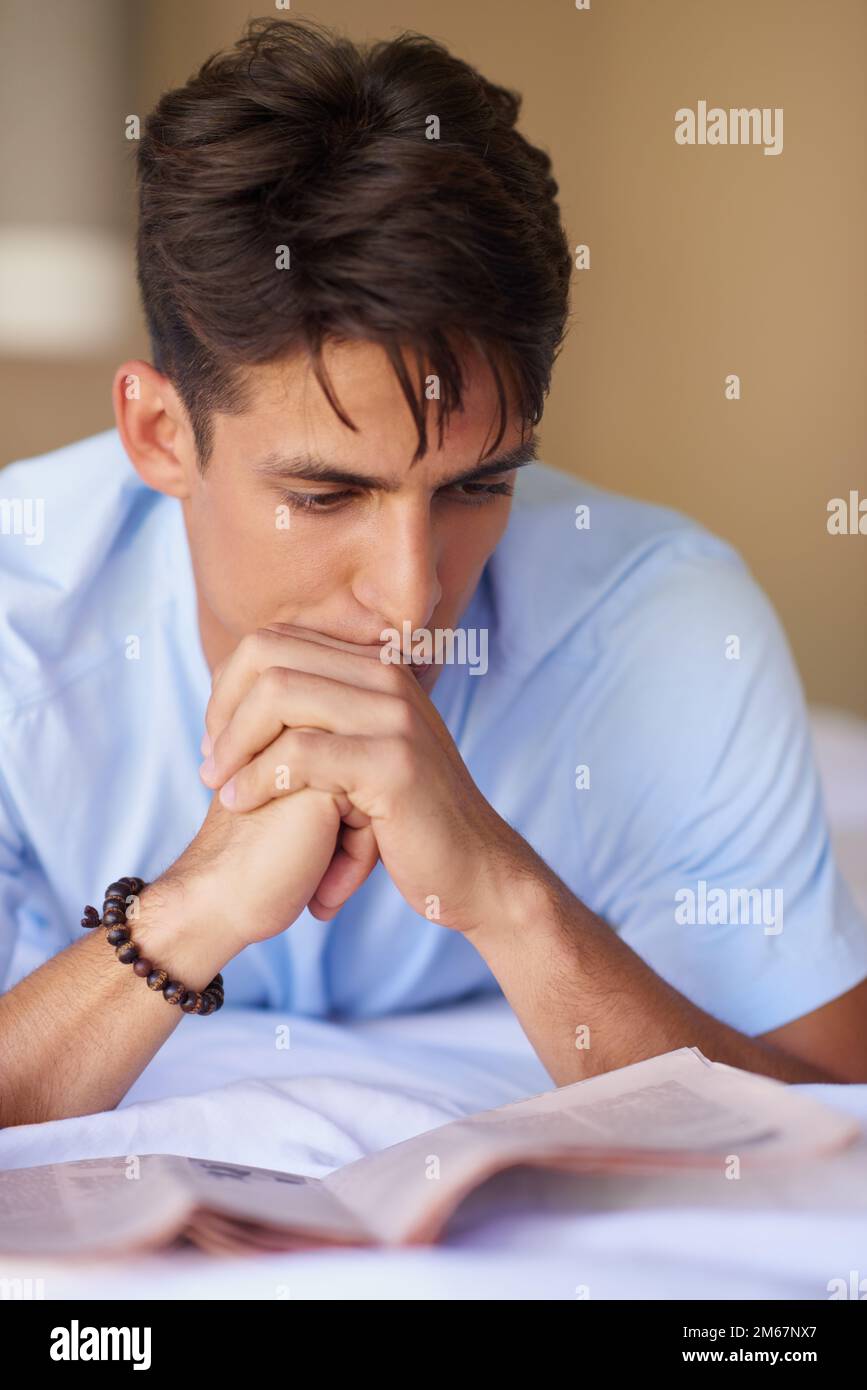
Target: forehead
x=289 y=412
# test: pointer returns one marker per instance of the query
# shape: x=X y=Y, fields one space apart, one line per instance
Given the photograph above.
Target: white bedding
x=222 y=1089
x=340 y=1091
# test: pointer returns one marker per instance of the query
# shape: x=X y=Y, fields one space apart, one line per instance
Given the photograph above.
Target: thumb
x=354 y=859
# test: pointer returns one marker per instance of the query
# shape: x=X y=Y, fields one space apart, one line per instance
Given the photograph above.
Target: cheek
x=229 y=533
x=259 y=561
x=467 y=541
x=240 y=556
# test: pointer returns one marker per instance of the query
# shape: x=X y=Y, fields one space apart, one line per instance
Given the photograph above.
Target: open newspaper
x=675 y=1111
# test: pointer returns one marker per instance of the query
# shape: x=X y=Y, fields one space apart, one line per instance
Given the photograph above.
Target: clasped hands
x=290 y=710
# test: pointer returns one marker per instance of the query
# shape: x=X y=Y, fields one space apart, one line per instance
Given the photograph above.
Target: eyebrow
x=306 y=467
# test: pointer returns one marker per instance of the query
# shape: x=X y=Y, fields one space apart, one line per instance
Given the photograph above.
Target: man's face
x=277 y=533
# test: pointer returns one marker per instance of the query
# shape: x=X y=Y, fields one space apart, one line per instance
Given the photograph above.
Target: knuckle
x=273 y=680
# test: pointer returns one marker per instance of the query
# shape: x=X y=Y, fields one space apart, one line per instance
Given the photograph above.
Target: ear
x=154 y=429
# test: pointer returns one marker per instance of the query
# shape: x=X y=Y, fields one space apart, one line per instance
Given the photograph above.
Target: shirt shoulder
x=83 y=551
x=650 y=634
x=577 y=562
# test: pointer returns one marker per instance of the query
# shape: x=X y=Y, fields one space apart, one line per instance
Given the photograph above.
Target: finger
x=370 y=772
x=307 y=634
x=354 y=859
x=265 y=648
x=283 y=698
x=217 y=671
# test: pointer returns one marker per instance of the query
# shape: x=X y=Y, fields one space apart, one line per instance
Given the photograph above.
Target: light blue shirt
x=640 y=723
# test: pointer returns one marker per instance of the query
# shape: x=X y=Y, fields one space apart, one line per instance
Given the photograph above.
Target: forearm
x=588 y=1003
x=77 y=1032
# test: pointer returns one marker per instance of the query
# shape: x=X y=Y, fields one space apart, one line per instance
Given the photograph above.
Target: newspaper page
x=105 y=1205
x=263 y=1199
x=654 y=1115
x=92 y=1204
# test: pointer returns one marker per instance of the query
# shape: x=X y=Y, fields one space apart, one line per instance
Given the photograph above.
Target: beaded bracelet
x=117 y=933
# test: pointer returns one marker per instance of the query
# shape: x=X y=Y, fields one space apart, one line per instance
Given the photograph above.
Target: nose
x=397 y=580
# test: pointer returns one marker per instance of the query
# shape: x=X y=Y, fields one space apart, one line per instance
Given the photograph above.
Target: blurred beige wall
x=705 y=261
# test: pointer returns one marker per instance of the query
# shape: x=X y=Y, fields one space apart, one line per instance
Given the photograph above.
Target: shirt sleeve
x=708 y=846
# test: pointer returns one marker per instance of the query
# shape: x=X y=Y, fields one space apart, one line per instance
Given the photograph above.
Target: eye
x=316 y=501
x=475 y=494
x=466 y=494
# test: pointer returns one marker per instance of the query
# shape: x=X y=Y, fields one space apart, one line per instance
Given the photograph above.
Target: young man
x=608 y=810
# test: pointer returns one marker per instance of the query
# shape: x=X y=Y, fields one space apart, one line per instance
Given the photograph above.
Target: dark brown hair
x=298 y=137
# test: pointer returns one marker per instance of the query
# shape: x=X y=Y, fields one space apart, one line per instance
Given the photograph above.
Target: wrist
x=519 y=906
x=174 y=929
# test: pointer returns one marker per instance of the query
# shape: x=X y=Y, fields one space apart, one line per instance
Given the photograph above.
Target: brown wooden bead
x=115 y=916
